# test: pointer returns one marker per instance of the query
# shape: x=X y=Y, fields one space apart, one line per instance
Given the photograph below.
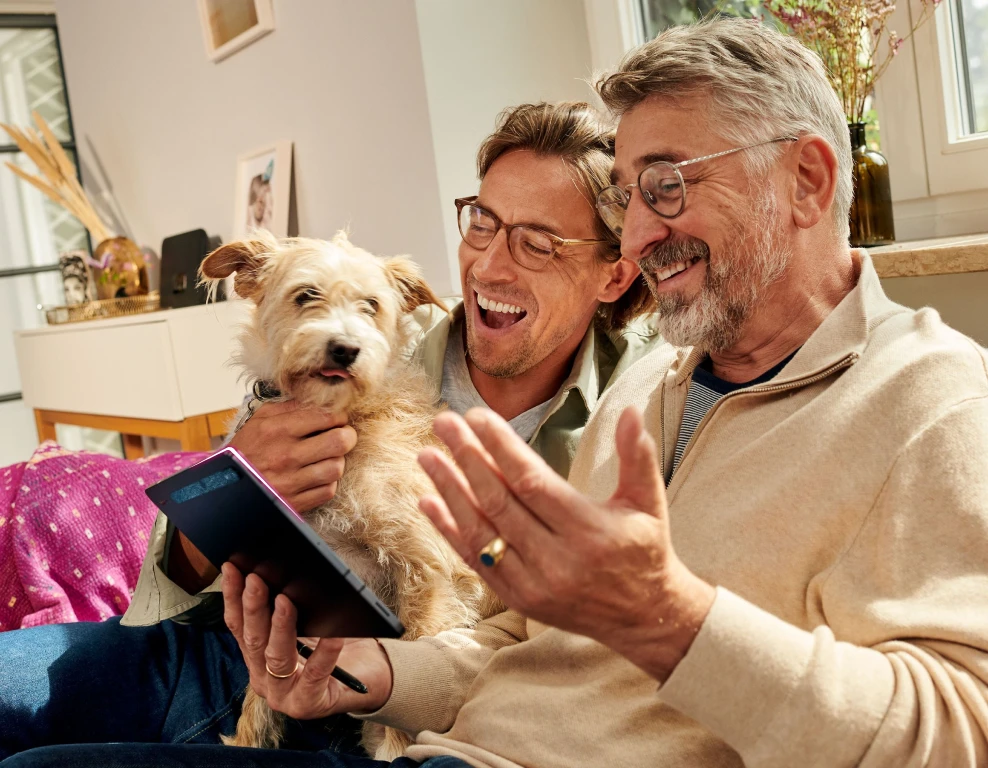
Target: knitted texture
x=73 y=531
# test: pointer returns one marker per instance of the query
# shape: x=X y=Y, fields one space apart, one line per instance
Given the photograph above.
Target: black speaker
x=181 y=256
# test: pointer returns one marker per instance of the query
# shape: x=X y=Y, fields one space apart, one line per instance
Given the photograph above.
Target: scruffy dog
x=328 y=328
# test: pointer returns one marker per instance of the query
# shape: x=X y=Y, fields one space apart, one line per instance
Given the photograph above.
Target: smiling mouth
x=498 y=314
x=663 y=274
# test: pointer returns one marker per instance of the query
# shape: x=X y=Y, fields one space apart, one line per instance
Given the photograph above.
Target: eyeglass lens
x=529 y=247
x=661 y=187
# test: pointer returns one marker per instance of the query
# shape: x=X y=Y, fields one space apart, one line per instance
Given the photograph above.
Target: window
x=969 y=25
x=932 y=104
x=33 y=230
x=661 y=14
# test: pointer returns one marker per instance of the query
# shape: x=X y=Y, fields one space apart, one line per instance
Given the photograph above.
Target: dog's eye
x=306 y=297
x=369 y=305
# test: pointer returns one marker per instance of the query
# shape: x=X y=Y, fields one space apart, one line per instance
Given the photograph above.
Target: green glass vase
x=871 y=209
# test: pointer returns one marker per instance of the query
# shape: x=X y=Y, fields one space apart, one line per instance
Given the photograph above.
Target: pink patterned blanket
x=73 y=533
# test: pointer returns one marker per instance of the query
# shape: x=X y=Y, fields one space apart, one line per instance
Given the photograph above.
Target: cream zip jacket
x=842 y=511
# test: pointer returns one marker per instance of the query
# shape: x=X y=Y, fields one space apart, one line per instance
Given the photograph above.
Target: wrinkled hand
x=267 y=638
x=300 y=451
x=606 y=570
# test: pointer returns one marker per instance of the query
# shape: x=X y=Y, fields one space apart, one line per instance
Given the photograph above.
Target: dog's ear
x=243 y=257
x=406 y=277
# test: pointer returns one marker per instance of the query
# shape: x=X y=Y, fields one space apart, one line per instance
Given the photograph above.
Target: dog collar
x=265 y=391
x=261 y=392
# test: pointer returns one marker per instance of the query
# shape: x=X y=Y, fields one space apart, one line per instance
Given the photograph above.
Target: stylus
x=340 y=674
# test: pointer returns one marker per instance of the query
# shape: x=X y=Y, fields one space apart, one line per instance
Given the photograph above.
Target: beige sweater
x=842 y=510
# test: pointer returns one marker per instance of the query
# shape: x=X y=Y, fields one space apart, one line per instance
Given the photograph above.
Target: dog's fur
x=310 y=297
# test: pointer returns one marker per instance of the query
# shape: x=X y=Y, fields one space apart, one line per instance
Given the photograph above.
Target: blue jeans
x=201 y=756
x=170 y=684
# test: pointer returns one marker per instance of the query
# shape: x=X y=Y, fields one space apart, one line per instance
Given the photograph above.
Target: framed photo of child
x=263 y=194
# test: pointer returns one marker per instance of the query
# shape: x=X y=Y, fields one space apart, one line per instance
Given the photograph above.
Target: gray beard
x=714 y=319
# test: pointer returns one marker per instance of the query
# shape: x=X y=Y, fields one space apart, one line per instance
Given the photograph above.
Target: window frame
x=39 y=20
x=955 y=163
x=939 y=180
x=910 y=103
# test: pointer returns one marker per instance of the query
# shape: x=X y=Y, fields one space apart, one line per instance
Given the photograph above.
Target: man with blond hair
x=785 y=560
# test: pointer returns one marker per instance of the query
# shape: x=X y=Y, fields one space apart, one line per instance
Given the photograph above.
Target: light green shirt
x=601 y=358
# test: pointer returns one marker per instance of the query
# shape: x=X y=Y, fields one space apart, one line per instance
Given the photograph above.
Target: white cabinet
x=161 y=374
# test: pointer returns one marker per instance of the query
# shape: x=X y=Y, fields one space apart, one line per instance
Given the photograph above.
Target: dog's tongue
x=331 y=372
x=502 y=319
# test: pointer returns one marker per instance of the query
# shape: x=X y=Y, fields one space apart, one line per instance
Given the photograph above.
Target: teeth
x=666 y=272
x=497 y=306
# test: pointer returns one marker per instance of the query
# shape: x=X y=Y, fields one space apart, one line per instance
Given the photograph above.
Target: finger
x=494 y=499
x=281 y=654
x=640 y=482
x=233 y=609
x=312 y=498
x=540 y=490
x=438 y=513
x=331 y=444
x=323 y=473
x=257 y=623
x=458 y=497
x=299 y=422
x=318 y=668
x=505 y=578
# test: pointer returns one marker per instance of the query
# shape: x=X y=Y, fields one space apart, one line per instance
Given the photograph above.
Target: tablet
x=227 y=510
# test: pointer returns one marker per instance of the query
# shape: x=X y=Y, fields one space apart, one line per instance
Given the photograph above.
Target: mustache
x=672 y=252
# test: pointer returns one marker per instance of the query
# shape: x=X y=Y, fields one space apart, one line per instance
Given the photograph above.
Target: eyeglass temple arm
x=736 y=149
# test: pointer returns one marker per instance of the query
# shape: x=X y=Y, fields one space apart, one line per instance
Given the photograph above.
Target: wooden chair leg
x=133 y=446
x=195 y=434
x=46 y=429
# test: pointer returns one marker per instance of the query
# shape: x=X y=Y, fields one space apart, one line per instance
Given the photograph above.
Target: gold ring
x=493 y=553
x=282 y=677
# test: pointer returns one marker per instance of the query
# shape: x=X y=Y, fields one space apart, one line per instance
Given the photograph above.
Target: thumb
x=640 y=480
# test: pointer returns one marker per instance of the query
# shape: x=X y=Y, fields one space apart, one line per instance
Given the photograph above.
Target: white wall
x=343 y=79
x=960 y=299
x=480 y=57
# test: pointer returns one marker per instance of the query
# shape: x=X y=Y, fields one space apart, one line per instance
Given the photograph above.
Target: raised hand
x=602 y=569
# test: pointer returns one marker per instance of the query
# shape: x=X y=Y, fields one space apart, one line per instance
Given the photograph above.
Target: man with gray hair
x=798 y=573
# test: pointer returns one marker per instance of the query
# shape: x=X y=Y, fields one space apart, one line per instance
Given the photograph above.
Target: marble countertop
x=943 y=256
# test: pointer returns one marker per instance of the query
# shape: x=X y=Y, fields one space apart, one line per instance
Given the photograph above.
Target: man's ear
x=814 y=168
x=243 y=257
x=405 y=275
x=622 y=274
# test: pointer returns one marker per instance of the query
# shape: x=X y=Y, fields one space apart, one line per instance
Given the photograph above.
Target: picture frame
x=77 y=282
x=229 y=25
x=264 y=190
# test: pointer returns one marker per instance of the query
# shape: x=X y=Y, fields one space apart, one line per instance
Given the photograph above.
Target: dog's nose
x=343 y=355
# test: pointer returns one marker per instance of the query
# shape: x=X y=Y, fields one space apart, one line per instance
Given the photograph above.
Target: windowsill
x=942 y=256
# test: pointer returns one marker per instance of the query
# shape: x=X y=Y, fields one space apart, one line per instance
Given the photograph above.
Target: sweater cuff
x=419 y=699
x=770 y=689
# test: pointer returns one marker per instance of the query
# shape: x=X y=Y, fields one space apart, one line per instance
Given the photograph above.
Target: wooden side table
x=163 y=374
x=193 y=433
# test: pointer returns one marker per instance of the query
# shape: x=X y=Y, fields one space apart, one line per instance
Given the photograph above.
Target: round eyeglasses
x=530 y=247
x=662 y=188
